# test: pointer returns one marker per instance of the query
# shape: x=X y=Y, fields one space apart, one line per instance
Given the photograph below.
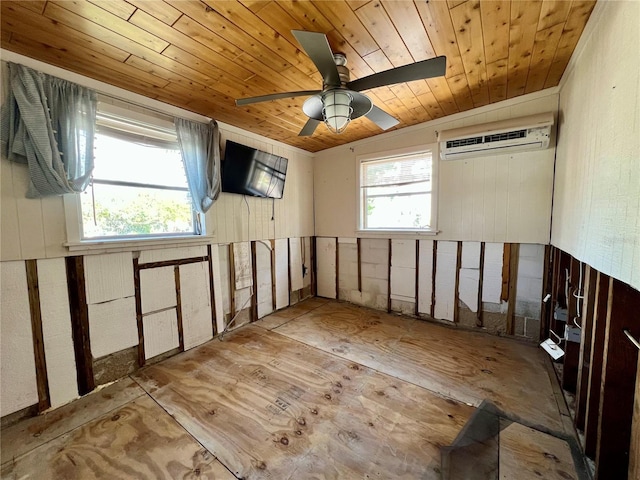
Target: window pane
x=120 y=160
x=135 y=211
x=421 y=187
x=412 y=168
x=411 y=211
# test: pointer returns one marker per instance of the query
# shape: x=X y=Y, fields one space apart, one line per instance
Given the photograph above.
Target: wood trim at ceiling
x=201 y=55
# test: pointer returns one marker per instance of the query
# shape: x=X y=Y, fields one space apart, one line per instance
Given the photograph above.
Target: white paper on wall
x=160 y=333
x=195 y=296
x=108 y=276
x=242 y=265
x=295 y=263
x=157 y=288
x=469 y=275
x=403 y=270
x=56 y=331
x=425 y=276
x=263 y=276
x=217 y=287
x=446 y=262
x=282 y=274
x=17 y=369
x=113 y=326
x=326 y=264
x=492 y=276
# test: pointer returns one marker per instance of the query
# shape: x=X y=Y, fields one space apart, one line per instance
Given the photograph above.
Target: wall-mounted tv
x=249 y=171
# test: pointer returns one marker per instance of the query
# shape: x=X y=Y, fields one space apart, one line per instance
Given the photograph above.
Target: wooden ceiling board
x=202 y=55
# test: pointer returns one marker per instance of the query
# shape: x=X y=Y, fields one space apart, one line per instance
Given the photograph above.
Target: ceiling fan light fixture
x=336 y=109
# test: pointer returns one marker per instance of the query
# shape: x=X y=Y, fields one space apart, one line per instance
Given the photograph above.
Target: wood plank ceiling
x=201 y=55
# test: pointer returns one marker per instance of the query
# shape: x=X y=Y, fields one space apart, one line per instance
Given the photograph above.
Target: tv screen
x=249 y=171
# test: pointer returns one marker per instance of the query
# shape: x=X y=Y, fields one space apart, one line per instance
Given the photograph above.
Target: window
x=139 y=187
x=397 y=192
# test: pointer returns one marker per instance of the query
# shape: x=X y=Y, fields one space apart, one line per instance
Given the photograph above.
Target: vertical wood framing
x=555 y=275
x=289 y=271
x=572 y=350
x=139 y=321
x=506 y=264
x=603 y=291
x=456 y=293
x=337 y=269
x=546 y=307
x=80 y=323
x=42 y=381
x=359 y=260
x=273 y=274
x=619 y=368
x=176 y=273
x=479 y=319
x=389 y=278
x=585 y=346
x=254 y=279
x=434 y=263
x=314 y=267
x=211 y=291
x=232 y=282
x=417 y=283
x=514 y=254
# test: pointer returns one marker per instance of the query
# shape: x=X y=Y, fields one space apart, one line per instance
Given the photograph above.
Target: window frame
x=76 y=241
x=431 y=148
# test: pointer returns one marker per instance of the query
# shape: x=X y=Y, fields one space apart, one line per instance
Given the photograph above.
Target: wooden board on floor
x=466 y=366
x=137 y=440
x=545 y=456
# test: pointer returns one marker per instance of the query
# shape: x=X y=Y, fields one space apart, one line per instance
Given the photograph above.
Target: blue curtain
x=200 y=148
x=49 y=124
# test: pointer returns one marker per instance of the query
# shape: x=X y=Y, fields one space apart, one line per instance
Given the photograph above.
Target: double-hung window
x=397 y=192
x=139 y=187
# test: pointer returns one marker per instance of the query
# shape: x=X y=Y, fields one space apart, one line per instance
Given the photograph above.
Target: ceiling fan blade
x=309 y=127
x=433 y=67
x=381 y=118
x=317 y=47
x=274 y=96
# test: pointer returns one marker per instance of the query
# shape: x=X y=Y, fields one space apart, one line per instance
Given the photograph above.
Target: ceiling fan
x=339 y=101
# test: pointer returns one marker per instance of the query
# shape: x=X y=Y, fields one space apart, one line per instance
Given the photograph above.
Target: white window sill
x=130 y=244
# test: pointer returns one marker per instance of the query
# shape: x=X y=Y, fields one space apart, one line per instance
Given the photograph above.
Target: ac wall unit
x=495 y=138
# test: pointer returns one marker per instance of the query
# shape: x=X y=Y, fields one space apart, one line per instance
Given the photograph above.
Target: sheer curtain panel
x=49 y=124
x=200 y=148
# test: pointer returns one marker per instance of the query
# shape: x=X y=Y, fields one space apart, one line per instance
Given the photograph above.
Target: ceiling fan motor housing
x=343 y=71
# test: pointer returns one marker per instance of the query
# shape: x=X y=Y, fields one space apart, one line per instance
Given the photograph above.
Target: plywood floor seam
x=322 y=390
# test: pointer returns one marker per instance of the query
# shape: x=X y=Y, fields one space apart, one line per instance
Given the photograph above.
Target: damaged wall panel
x=218 y=287
x=282 y=273
x=295 y=264
x=108 y=277
x=348 y=270
x=403 y=275
x=166 y=254
x=446 y=264
x=425 y=276
x=112 y=326
x=160 y=333
x=263 y=275
x=195 y=304
x=492 y=275
x=326 y=260
x=469 y=275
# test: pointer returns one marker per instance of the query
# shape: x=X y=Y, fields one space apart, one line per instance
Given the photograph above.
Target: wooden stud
x=603 y=290
x=171 y=263
x=479 y=319
x=232 y=281
x=585 y=345
x=140 y=323
x=80 y=323
x=254 y=279
x=42 y=381
x=211 y=290
x=555 y=272
x=359 y=259
x=417 y=281
x=546 y=307
x=456 y=293
x=273 y=274
x=389 y=279
x=572 y=349
x=514 y=254
x=506 y=263
x=176 y=273
x=289 y=271
x=433 y=278
x=314 y=267
x=619 y=369
x=337 y=269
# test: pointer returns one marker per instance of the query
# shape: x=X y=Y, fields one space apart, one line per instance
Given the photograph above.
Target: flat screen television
x=249 y=171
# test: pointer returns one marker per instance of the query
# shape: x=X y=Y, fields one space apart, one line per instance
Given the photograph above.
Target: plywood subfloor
x=320 y=391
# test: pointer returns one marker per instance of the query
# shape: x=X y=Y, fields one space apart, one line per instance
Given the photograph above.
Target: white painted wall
x=502 y=198
x=596 y=212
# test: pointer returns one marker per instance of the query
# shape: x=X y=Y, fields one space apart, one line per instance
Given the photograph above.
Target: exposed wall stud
x=417 y=290
x=232 y=281
x=479 y=319
x=254 y=279
x=211 y=290
x=389 y=279
x=514 y=253
x=337 y=269
x=273 y=275
x=139 y=321
x=434 y=263
x=456 y=293
x=359 y=260
x=585 y=345
x=176 y=272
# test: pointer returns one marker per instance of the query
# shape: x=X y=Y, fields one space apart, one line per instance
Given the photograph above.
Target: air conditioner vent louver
x=464 y=141
x=498 y=137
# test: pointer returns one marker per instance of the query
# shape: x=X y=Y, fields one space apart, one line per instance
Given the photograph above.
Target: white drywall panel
x=596 y=208
x=160 y=333
x=157 y=288
x=295 y=263
x=282 y=273
x=306 y=261
x=56 y=331
x=18 y=368
x=225 y=274
x=374 y=270
x=196 y=304
x=469 y=275
x=242 y=265
x=326 y=264
x=446 y=261
x=112 y=326
x=403 y=270
x=348 y=268
x=529 y=282
x=164 y=254
x=425 y=276
x=218 y=287
x=243 y=299
x=263 y=277
x=492 y=273
x=108 y=276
